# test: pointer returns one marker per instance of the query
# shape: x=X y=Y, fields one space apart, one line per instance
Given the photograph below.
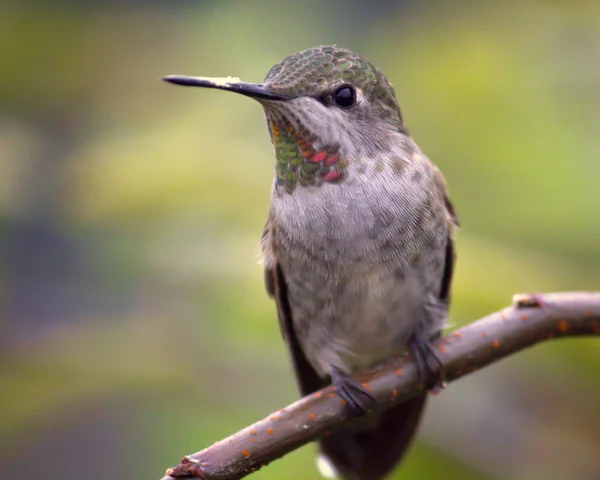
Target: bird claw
x=357 y=399
x=430 y=368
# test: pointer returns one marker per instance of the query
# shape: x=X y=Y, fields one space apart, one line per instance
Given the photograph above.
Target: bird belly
x=363 y=320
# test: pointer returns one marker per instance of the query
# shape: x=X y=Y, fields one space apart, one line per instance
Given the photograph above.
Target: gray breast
x=361 y=260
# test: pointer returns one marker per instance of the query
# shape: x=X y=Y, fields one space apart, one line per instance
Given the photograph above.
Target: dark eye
x=345 y=97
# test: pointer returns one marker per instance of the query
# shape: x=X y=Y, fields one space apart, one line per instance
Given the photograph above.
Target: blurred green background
x=134 y=326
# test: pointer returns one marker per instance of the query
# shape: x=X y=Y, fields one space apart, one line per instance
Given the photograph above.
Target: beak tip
x=173 y=79
x=224 y=83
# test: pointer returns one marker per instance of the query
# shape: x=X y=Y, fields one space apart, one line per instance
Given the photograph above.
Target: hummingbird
x=358 y=246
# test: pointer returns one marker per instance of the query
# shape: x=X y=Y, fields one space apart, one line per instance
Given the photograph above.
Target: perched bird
x=358 y=245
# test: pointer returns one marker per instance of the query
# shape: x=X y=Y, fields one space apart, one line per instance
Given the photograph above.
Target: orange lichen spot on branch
x=319 y=394
x=270 y=431
x=563 y=326
x=366 y=386
x=274 y=418
x=253 y=440
x=523 y=317
x=342 y=402
x=394 y=393
x=447 y=340
x=484 y=334
x=496 y=344
x=252 y=432
x=442 y=349
x=312 y=416
x=282 y=410
x=246 y=453
x=399 y=372
x=457 y=335
x=332 y=395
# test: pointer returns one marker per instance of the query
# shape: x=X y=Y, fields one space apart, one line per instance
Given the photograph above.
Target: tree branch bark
x=529 y=320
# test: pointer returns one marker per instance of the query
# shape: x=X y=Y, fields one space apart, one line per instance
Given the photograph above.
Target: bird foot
x=430 y=368
x=358 y=400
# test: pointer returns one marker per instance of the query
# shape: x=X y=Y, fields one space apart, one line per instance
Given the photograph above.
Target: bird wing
x=306 y=376
x=453 y=223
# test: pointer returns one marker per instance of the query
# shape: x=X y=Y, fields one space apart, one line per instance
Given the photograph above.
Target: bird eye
x=345 y=97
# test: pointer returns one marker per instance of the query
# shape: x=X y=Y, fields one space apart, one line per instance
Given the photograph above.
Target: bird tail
x=370 y=452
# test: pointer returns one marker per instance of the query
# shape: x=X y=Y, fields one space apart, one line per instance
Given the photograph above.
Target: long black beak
x=231 y=84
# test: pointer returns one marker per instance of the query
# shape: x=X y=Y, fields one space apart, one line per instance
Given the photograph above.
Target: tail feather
x=370 y=453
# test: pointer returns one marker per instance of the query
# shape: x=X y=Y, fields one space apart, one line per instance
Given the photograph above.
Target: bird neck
x=301 y=159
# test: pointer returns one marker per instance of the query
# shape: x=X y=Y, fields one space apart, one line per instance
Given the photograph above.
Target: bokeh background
x=134 y=326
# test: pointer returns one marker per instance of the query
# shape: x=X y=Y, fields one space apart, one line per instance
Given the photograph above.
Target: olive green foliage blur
x=135 y=327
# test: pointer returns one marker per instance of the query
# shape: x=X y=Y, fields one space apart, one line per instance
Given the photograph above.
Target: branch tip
x=527 y=300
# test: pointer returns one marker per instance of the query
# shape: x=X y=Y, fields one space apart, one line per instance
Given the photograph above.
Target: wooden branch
x=529 y=320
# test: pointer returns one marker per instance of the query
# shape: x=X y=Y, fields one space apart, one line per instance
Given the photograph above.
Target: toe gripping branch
x=358 y=400
x=430 y=371
x=430 y=368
